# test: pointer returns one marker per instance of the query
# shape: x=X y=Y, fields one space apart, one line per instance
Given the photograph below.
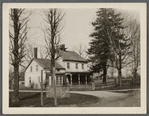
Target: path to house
x=114 y=98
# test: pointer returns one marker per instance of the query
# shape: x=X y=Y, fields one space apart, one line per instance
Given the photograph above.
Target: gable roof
x=71 y=56
x=46 y=63
x=29 y=64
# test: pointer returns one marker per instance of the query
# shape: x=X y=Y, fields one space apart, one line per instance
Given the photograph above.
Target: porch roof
x=87 y=72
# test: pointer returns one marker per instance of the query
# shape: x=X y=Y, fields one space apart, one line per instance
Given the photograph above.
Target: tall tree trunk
x=54 y=85
x=15 y=97
x=16 y=59
x=54 y=17
x=120 y=71
x=134 y=77
x=104 y=73
x=53 y=69
x=119 y=77
x=64 y=80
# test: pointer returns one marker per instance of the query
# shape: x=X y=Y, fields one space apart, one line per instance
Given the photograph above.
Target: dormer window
x=76 y=65
x=68 y=66
x=36 y=67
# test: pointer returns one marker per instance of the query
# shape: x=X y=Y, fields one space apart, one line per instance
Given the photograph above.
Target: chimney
x=62 y=47
x=35 y=53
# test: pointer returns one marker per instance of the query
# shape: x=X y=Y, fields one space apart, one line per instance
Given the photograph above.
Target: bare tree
x=18 y=36
x=131 y=53
x=54 y=20
x=133 y=31
x=43 y=53
x=120 y=54
x=30 y=53
x=81 y=50
x=120 y=45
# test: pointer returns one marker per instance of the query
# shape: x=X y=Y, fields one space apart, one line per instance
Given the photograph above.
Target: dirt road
x=114 y=98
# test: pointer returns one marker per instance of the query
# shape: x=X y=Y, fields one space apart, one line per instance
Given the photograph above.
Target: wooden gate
x=61 y=92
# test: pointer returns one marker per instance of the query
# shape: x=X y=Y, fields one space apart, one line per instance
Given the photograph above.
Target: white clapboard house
x=69 y=66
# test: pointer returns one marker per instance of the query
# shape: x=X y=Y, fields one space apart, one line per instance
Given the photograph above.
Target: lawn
x=127 y=91
x=29 y=99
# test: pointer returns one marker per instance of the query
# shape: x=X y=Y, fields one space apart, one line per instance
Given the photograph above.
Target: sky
x=76 y=27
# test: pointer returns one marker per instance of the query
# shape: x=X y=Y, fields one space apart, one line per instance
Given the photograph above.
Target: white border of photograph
x=142 y=7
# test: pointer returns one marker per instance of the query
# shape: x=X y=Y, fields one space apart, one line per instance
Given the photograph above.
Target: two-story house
x=76 y=67
x=69 y=66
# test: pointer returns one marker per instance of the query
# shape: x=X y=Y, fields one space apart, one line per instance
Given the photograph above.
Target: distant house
x=70 y=66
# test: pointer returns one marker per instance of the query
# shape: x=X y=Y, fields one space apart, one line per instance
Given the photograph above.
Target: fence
x=88 y=87
x=127 y=81
x=61 y=92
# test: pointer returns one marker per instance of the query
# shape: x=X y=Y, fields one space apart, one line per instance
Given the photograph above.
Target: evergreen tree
x=99 y=50
x=109 y=43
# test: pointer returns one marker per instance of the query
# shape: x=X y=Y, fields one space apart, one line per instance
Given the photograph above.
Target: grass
x=131 y=100
x=128 y=91
x=117 y=87
x=29 y=99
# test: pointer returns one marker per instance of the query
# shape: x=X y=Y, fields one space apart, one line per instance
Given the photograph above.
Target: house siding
x=34 y=75
x=72 y=65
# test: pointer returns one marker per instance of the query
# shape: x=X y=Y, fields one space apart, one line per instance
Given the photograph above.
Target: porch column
x=71 y=79
x=62 y=80
x=50 y=80
x=86 y=79
x=59 y=80
x=79 y=79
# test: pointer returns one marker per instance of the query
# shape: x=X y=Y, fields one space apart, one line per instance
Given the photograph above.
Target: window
x=59 y=80
x=68 y=65
x=29 y=79
x=76 y=65
x=82 y=66
x=36 y=67
x=39 y=79
x=31 y=69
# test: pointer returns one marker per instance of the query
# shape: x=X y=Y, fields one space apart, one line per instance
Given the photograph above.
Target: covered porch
x=59 y=79
x=78 y=78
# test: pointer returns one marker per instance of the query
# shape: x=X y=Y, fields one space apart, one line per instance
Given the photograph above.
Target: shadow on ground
x=33 y=100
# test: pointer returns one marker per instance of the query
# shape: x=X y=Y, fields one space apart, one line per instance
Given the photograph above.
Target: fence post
x=115 y=81
x=86 y=79
x=79 y=79
x=71 y=79
x=41 y=87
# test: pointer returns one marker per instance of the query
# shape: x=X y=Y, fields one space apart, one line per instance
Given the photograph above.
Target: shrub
x=32 y=85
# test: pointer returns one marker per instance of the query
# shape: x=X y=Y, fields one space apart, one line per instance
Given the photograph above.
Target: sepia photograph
x=64 y=58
